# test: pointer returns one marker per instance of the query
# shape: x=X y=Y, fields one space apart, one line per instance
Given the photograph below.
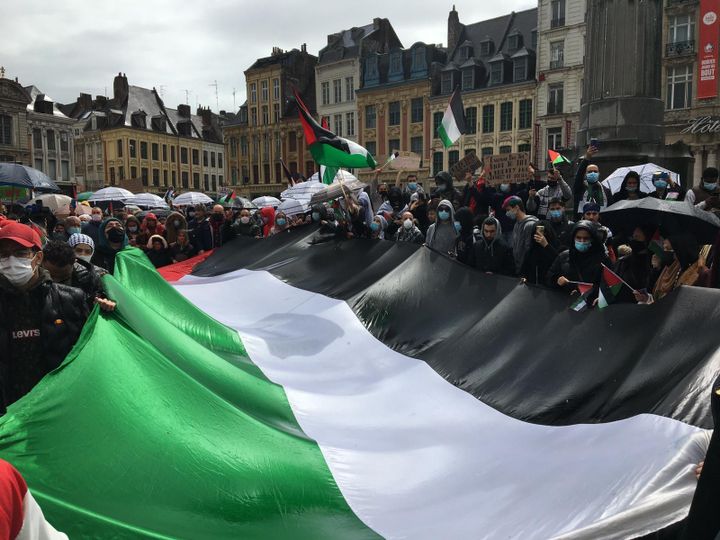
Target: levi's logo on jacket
x=24 y=334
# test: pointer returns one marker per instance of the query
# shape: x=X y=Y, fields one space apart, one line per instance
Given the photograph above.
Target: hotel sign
x=703 y=124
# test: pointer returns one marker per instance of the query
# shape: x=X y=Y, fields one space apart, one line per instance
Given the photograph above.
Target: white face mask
x=244 y=220
x=17 y=270
x=85 y=258
x=408 y=224
x=96 y=217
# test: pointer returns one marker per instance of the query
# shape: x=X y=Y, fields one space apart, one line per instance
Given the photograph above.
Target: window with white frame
x=679 y=87
x=325 y=93
x=682 y=28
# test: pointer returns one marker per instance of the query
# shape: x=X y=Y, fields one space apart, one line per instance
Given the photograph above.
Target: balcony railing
x=556 y=64
x=671 y=3
x=557 y=23
x=680 y=48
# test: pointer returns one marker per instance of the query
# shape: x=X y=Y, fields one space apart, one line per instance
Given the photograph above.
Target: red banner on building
x=707 y=50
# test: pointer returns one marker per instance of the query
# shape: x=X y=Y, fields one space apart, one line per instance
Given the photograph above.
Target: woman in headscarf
x=149 y=227
x=267 y=215
x=441 y=235
x=281 y=223
x=157 y=251
x=636 y=267
x=111 y=240
x=680 y=265
x=377 y=227
x=629 y=189
x=174 y=223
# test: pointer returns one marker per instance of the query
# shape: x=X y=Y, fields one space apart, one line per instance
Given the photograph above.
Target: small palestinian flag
x=327 y=148
x=656 y=244
x=584 y=289
x=453 y=122
x=556 y=158
x=611 y=283
x=228 y=198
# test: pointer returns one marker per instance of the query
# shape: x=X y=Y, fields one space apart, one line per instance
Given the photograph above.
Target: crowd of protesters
x=544 y=231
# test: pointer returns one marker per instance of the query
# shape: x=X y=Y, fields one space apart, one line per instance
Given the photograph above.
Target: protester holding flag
x=636 y=268
x=556 y=188
x=587 y=186
x=582 y=263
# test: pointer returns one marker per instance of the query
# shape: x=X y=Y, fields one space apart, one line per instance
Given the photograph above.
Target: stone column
x=698 y=165
x=712 y=157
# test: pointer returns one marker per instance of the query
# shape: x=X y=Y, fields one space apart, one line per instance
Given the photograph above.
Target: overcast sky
x=74 y=46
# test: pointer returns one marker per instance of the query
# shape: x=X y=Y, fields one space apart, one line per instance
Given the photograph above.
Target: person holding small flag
x=581 y=264
x=587 y=186
x=636 y=268
x=556 y=188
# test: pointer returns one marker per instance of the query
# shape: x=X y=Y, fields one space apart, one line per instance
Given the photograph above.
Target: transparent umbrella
x=646 y=170
x=293 y=207
x=191 y=198
x=110 y=194
x=147 y=200
x=265 y=201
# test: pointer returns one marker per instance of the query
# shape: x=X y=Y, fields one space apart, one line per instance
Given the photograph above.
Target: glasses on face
x=22 y=253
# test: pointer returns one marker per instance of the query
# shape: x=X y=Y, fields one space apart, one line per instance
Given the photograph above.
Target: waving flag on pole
x=556 y=158
x=329 y=149
x=453 y=122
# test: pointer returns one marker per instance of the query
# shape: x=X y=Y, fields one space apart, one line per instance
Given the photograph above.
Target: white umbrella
x=265 y=201
x=110 y=194
x=53 y=201
x=645 y=171
x=302 y=191
x=191 y=198
x=147 y=200
x=340 y=175
x=293 y=207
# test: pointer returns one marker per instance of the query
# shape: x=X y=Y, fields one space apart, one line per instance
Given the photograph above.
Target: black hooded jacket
x=495 y=257
x=581 y=267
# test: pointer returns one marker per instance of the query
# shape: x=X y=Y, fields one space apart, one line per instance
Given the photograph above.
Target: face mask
x=17 y=270
x=96 y=218
x=443 y=215
x=245 y=220
x=552 y=183
x=177 y=223
x=85 y=258
x=630 y=189
x=441 y=187
x=408 y=224
x=710 y=186
x=582 y=247
x=116 y=235
x=510 y=215
x=217 y=217
x=412 y=186
x=660 y=184
x=505 y=188
x=592 y=177
x=458 y=226
x=555 y=215
x=132 y=228
x=74 y=230
x=668 y=257
x=316 y=216
x=375 y=226
x=281 y=222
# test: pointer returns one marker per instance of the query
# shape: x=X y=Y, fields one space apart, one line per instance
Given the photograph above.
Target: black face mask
x=217 y=217
x=637 y=246
x=116 y=235
x=667 y=257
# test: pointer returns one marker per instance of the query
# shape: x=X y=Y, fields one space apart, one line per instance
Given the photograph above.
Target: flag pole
x=621 y=279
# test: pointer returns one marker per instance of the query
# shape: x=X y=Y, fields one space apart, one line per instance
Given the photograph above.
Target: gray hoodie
x=522 y=238
x=441 y=235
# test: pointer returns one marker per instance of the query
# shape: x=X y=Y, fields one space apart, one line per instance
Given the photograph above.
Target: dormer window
x=371 y=70
x=395 y=63
x=419 y=64
x=468 y=78
x=496 y=72
x=487 y=48
x=466 y=52
x=515 y=41
x=520 y=69
x=446 y=84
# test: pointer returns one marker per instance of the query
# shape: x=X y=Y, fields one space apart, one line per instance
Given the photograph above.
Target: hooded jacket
x=104 y=255
x=158 y=257
x=465 y=239
x=522 y=239
x=268 y=213
x=494 y=256
x=146 y=233
x=623 y=194
x=598 y=193
x=171 y=230
x=38 y=328
x=583 y=267
x=441 y=235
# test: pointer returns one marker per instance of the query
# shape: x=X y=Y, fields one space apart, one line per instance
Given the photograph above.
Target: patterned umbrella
x=303 y=191
x=262 y=202
x=292 y=207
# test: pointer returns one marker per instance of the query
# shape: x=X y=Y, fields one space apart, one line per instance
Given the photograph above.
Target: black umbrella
x=12 y=174
x=673 y=217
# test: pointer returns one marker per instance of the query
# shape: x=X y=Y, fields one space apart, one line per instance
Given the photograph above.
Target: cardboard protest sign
x=470 y=163
x=507 y=168
x=406 y=161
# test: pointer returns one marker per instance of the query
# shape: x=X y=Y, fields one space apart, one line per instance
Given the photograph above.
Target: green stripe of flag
x=331 y=156
x=149 y=429
x=453 y=122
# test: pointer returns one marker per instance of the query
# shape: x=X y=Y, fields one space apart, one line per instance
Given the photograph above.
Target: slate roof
x=344 y=44
x=36 y=94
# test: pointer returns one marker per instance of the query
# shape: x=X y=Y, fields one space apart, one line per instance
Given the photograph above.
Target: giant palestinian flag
x=329 y=149
x=300 y=388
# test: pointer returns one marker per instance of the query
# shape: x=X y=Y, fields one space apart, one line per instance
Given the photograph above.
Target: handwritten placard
x=507 y=168
x=470 y=163
x=406 y=161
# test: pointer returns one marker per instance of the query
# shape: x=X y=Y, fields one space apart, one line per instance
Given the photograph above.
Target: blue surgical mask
x=375 y=226
x=556 y=214
x=631 y=189
x=660 y=184
x=582 y=247
x=505 y=188
x=458 y=226
x=441 y=187
x=412 y=186
x=444 y=215
x=316 y=216
x=74 y=230
x=510 y=215
x=281 y=222
x=710 y=186
x=592 y=177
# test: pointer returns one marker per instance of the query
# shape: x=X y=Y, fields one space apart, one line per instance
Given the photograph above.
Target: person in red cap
x=40 y=321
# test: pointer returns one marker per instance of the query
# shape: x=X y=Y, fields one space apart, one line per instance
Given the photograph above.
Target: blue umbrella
x=12 y=174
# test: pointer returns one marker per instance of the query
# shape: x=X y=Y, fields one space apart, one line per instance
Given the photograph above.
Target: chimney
x=303 y=48
x=120 y=88
x=376 y=23
x=183 y=111
x=85 y=102
x=206 y=114
x=454 y=29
